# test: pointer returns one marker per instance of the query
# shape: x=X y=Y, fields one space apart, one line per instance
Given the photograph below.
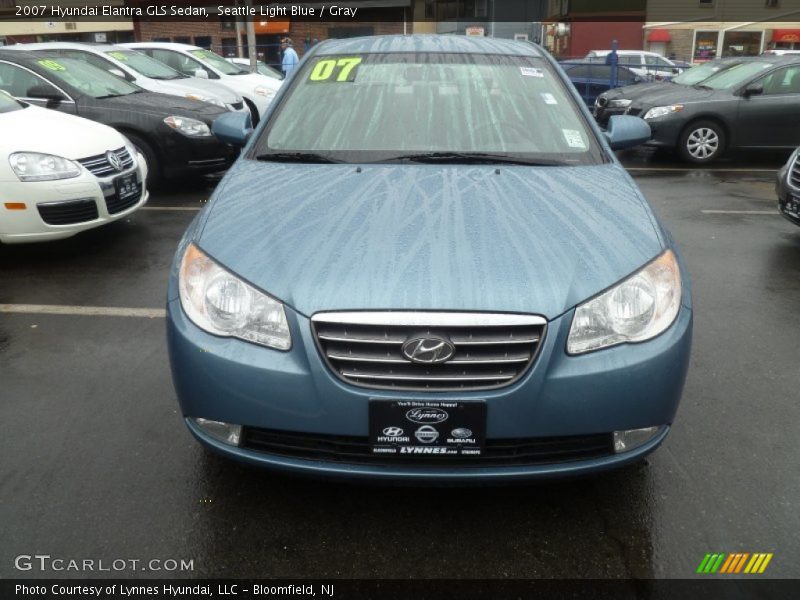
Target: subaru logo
x=392 y=432
x=428 y=350
x=114 y=160
x=461 y=433
x=426 y=434
x=427 y=415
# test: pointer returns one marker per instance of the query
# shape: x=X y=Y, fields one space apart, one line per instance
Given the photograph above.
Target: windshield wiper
x=476 y=158
x=299 y=157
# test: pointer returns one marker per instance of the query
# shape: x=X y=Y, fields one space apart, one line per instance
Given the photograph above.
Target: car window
x=217 y=62
x=88 y=57
x=144 y=65
x=87 y=78
x=633 y=60
x=657 y=61
x=17 y=81
x=782 y=81
x=363 y=108
x=626 y=77
x=699 y=73
x=9 y=104
x=178 y=61
x=736 y=75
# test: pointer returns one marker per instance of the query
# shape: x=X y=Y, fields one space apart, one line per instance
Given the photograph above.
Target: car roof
x=165 y=45
x=19 y=56
x=450 y=44
x=621 y=52
x=44 y=46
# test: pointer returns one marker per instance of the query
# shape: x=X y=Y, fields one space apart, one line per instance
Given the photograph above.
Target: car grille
x=794 y=176
x=115 y=205
x=99 y=165
x=491 y=350
x=68 y=213
x=358 y=449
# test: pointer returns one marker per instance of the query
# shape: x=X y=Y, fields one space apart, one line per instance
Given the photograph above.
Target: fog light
x=226 y=433
x=625 y=441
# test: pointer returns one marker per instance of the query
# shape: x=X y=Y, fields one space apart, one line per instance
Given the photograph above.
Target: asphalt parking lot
x=98 y=464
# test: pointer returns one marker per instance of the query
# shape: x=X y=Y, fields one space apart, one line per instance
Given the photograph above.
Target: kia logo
x=426 y=434
x=427 y=415
x=428 y=350
x=392 y=432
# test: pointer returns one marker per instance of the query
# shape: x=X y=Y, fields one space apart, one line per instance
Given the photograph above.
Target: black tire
x=150 y=157
x=702 y=142
x=254 y=116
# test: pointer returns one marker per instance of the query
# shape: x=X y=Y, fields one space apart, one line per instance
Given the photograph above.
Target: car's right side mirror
x=45 y=92
x=201 y=73
x=233 y=128
x=754 y=89
x=625 y=131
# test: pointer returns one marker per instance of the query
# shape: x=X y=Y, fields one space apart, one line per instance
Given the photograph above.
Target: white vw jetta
x=61 y=174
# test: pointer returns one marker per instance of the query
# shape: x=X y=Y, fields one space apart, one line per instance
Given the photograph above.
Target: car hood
x=157 y=104
x=35 y=129
x=415 y=237
x=636 y=90
x=678 y=94
x=225 y=94
x=249 y=81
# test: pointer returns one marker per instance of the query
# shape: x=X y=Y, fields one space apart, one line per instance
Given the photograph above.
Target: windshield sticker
x=52 y=65
x=335 y=70
x=574 y=138
x=118 y=55
x=531 y=72
x=548 y=98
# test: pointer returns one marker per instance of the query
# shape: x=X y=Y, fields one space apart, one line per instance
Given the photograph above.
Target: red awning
x=659 y=35
x=786 y=35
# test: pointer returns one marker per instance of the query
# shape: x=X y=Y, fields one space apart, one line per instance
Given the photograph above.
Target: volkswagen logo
x=426 y=434
x=392 y=432
x=427 y=415
x=428 y=350
x=114 y=160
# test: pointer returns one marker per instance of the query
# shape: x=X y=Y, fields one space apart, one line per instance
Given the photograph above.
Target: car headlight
x=209 y=99
x=637 y=309
x=33 y=166
x=265 y=92
x=222 y=304
x=663 y=111
x=619 y=103
x=187 y=126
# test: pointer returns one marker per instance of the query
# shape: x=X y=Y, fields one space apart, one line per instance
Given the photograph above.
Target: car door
x=19 y=81
x=772 y=118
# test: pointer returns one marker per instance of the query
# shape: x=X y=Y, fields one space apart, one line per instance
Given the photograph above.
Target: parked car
x=143 y=71
x=172 y=134
x=755 y=104
x=647 y=65
x=452 y=277
x=779 y=52
x=262 y=67
x=617 y=101
x=256 y=89
x=60 y=174
x=788 y=188
x=592 y=79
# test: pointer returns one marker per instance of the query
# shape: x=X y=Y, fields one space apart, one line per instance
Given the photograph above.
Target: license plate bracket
x=126 y=186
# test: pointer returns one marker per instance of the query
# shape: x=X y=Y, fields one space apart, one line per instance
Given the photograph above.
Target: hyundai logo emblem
x=114 y=160
x=428 y=350
x=392 y=432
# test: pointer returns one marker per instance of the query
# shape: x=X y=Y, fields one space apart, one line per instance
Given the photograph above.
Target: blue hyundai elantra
x=428 y=264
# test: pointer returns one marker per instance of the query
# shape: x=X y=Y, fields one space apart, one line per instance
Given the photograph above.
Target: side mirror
x=201 y=73
x=119 y=73
x=625 y=131
x=44 y=92
x=754 y=89
x=676 y=71
x=233 y=128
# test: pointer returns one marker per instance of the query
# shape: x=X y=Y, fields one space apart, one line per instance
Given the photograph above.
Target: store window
x=742 y=43
x=705 y=45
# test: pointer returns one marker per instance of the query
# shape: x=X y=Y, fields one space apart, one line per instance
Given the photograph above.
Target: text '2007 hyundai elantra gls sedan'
x=428 y=264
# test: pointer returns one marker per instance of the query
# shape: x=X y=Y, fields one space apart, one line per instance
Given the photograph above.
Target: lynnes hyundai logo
x=428 y=350
x=114 y=160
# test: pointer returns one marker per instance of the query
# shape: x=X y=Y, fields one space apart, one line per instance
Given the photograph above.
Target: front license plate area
x=126 y=186
x=420 y=428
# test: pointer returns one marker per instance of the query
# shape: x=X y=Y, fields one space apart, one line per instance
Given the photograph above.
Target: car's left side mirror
x=625 y=131
x=45 y=92
x=754 y=89
x=676 y=71
x=233 y=128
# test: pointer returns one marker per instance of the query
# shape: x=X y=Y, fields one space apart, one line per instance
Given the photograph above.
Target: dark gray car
x=755 y=104
x=788 y=188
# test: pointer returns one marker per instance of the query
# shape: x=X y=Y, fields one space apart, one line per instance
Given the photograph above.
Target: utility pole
x=251 y=39
x=239 y=45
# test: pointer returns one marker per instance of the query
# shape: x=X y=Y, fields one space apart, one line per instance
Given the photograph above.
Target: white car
x=261 y=66
x=256 y=89
x=147 y=73
x=647 y=65
x=61 y=174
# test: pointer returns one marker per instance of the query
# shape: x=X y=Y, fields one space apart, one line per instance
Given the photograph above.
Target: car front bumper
x=184 y=156
x=621 y=388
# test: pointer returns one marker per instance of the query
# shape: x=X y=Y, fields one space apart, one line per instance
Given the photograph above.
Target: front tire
x=702 y=142
x=150 y=158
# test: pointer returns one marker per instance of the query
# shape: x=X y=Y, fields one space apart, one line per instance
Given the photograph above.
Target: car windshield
x=699 y=73
x=269 y=71
x=736 y=75
x=216 y=61
x=8 y=103
x=87 y=78
x=436 y=107
x=144 y=65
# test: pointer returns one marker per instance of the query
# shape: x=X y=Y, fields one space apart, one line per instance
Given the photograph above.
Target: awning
x=786 y=35
x=659 y=35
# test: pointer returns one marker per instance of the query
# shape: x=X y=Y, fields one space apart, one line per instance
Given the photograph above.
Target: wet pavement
x=98 y=464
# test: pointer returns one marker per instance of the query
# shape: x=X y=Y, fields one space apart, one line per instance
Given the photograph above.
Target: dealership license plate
x=793 y=206
x=126 y=186
x=408 y=428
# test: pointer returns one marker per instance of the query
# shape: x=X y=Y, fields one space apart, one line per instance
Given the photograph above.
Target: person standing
x=290 y=58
